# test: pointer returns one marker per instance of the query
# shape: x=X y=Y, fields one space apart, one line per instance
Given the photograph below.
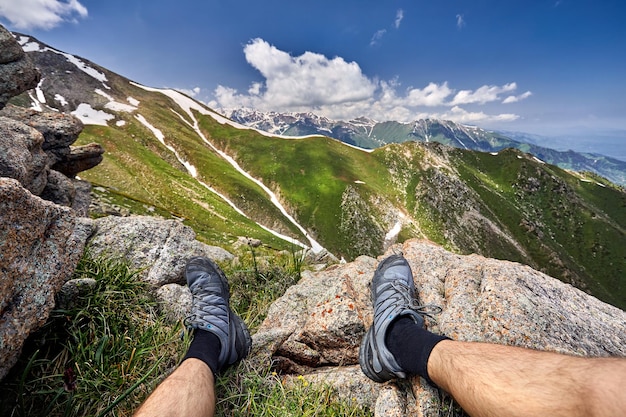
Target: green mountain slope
x=170 y=155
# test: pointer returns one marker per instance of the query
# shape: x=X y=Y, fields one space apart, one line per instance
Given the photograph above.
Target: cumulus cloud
x=482 y=95
x=310 y=79
x=41 y=14
x=339 y=90
x=399 y=17
x=460 y=22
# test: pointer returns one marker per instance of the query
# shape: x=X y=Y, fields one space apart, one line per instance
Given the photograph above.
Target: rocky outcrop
x=32 y=142
x=40 y=245
x=158 y=248
x=21 y=156
x=17 y=72
x=315 y=329
x=40 y=241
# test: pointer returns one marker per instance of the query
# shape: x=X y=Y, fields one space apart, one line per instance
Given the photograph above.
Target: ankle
x=411 y=345
x=206 y=347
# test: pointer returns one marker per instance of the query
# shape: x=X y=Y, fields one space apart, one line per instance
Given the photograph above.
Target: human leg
x=188 y=391
x=485 y=379
x=498 y=380
x=221 y=339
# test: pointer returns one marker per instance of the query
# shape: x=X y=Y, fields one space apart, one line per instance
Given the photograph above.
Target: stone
x=17 y=71
x=316 y=327
x=21 y=155
x=59 y=130
x=158 y=247
x=40 y=246
x=174 y=301
x=82 y=199
x=72 y=290
x=10 y=49
x=59 y=189
x=79 y=159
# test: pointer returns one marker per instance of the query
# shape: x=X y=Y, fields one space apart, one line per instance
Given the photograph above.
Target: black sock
x=411 y=345
x=206 y=347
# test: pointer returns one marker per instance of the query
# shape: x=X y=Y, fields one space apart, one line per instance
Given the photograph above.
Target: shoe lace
x=429 y=310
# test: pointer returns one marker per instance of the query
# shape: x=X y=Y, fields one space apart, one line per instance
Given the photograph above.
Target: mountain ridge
x=369 y=134
x=172 y=155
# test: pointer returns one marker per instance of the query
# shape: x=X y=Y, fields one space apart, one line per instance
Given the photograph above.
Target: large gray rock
x=316 y=327
x=79 y=159
x=21 y=156
x=40 y=245
x=157 y=247
x=17 y=71
x=59 y=130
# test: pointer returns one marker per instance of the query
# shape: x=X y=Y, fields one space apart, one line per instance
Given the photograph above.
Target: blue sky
x=541 y=66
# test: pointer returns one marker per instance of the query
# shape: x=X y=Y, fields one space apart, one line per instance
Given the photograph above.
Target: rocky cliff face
x=42 y=207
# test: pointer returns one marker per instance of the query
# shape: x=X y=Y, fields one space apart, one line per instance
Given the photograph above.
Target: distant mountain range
x=369 y=134
x=171 y=156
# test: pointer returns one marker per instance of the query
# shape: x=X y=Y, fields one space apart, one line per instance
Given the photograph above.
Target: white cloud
x=460 y=21
x=339 y=90
x=190 y=92
x=309 y=79
x=377 y=36
x=42 y=14
x=515 y=99
x=399 y=17
x=482 y=95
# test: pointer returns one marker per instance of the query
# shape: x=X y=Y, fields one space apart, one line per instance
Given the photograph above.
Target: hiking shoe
x=393 y=295
x=210 y=310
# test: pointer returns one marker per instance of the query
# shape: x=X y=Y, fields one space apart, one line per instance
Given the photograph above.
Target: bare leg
x=189 y=391
x=497 y=380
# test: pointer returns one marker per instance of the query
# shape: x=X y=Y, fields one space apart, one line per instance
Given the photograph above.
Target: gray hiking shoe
x=393 y=295
x=211 y=312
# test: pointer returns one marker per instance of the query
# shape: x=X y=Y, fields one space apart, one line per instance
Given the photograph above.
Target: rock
x=10 y=49
x=159 y=248
x=72 y=289
x=21 y=156
x=40 y=245
x=175 y=301
x=82 y=199
x=79 y=159
x=316 y=327
x=59 y=189
x=59 y=130
x=17 y=71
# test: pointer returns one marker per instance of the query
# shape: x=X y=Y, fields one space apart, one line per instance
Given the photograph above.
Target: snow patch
x=132 y=101
x=116 y=106
x=161 y=138
x=359 y=182
x=188 y=104
x=62 y=101
x=120 y=123
x=538 y=160
x=103 y=94
x=395 y=230
x=91 y=116
x=40 y=96
x=34 y=103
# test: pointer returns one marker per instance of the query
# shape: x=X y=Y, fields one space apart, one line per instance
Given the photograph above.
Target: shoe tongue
x=398 y=272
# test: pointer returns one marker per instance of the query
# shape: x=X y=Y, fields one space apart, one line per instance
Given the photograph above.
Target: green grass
x=113 y=341
x=119 y=347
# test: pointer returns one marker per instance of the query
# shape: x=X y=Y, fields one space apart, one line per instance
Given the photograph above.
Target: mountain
x=174 y=157
x=369 y=134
